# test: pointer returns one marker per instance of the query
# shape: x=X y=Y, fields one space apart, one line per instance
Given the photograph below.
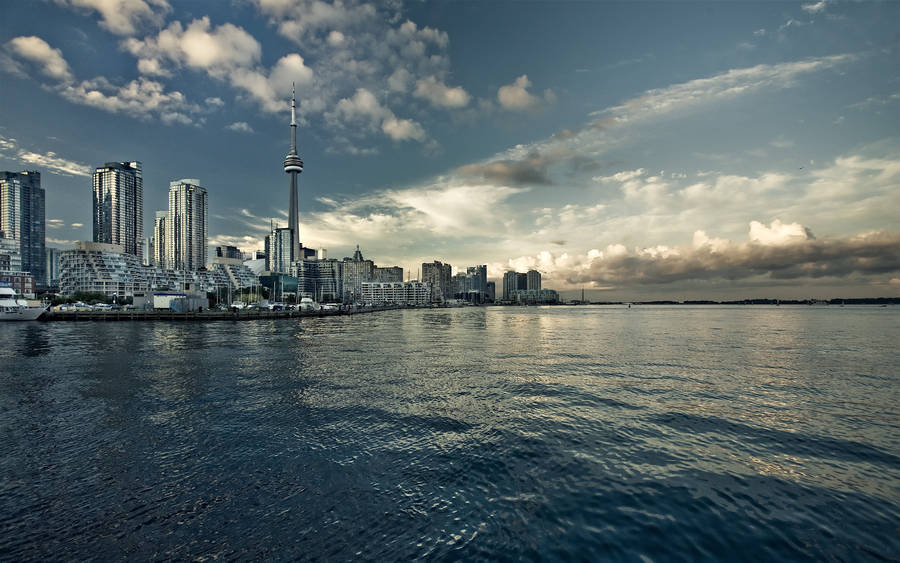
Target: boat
x=12 y=309
x=307 y=304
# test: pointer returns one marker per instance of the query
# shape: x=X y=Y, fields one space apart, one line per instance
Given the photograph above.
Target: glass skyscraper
x=119 y=205
x=22 y=219
x=186 y=225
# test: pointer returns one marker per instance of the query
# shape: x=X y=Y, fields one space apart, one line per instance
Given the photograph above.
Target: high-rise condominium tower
x=160 y=236
x=22 y=219
x=119 y=205
x=186 y=225
x=293 y=165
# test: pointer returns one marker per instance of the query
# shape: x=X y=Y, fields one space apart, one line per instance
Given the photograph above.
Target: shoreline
x=205 y=316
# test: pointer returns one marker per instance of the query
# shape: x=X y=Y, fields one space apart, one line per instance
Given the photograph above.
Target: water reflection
x=465 y=433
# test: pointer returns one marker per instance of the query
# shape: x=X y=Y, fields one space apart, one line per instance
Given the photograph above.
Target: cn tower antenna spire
x=293 y=165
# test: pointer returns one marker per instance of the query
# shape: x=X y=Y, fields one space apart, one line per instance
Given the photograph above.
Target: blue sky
x=638 y=150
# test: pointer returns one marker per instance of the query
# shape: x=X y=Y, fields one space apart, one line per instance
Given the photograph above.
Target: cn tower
x=293 y=165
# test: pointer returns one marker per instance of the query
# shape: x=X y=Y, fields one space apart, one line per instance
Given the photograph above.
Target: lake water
x=594 y=433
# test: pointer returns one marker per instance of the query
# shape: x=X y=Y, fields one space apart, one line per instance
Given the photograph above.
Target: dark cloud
x=869 y=254
x=528 y=171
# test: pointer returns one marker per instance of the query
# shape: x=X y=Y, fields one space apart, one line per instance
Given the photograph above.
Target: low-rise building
x=404 y=293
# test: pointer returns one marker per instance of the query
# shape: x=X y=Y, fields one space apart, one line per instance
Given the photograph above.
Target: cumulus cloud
x=198 y=46
x=363 y=107
x=778 y=257
x=142 y=98
x=355 y=45
x=441 y=95
x=123 y=17
x=516 y=97
x=9 y=148
x=49 y=61
x=779 y=233
x=225 y=52
x=240 y=127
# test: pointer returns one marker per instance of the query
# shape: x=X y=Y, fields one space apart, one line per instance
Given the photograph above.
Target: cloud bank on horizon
x=713 y=180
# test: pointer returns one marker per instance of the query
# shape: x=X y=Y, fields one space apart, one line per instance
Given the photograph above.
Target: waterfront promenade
x=214 y=315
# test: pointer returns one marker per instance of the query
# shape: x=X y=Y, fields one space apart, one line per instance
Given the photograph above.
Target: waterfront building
x=231 y=252
x=319 y=280
x=460 y=284
x=236 y=272
x=10 y=255
x=509 y=284
x=101 y=268
x=20 y=282
x=355 y=271
x=118 y=207
x=160 y=239
x=293 y=165
x=186 y=237
x=533 y=280
x=108 y=269
x=490 y=295
x=438 y=276
x=534 y=296
x=147 y=251
x=402 y=293
x=282 y=287
x=278 y=250
x=22 y=202
x=51 y=266
x=478 y=275
x=521 y=281
x=387 y=274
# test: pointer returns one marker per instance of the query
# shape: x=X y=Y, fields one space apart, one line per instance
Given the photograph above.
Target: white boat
x=307 y=304
x=12 y=309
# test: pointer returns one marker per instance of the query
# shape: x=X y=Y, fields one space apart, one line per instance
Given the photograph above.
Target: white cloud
x=779 y=233
x=399 y=80
x=198 y=46
x=814 y=8
x=124 y=17
x=402 y=129
x=240 y=127
x=226 y=52
x=516 y=97
x=364 y=107
x=441 y=95
x=9 y=148
x=141 y=99
x=49 y=61
x=719 y=88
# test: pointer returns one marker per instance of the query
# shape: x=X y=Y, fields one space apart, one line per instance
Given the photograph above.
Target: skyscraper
x=293 y=165
x=160 y=236
x=439 y=276
x=22 y=219
x=186 y=236
x=278 y=250
x=119 y=205
x=533 y=280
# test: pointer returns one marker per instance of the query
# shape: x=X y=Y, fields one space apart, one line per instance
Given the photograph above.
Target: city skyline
x=755 y=160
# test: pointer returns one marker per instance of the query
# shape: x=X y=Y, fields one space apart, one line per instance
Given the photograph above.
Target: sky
x=675 y=150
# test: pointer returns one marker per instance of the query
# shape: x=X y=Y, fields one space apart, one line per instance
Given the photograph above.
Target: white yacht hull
x=21 y=313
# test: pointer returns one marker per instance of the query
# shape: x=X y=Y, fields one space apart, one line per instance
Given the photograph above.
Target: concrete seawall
x=240 y=315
